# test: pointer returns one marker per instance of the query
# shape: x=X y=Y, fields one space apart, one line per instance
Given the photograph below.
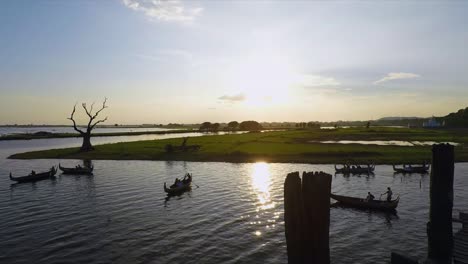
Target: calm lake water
x=121 y=214
x=68 y=129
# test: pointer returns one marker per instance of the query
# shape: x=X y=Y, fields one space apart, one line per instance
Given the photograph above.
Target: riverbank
x=298 y=146
x=43 y=135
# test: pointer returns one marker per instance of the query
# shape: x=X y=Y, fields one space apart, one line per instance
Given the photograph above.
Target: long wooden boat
x=363 y=203
x=412 y=169
x=184 y=185
x=77 y=170
x=35 y=176
x=346 y=169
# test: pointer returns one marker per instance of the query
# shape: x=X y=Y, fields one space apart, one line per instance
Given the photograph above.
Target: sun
x=264 y=80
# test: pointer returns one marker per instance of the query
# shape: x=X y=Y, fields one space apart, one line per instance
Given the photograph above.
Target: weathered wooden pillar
x=307 y=217
x=439 y=227
x=316 y=199
x=293 y=218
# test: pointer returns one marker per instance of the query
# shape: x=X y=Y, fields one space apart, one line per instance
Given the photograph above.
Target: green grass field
x=278 y=146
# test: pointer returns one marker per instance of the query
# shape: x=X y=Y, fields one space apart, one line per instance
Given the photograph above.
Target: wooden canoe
x=363 y=203
x=368 y=169
x=184 y=186
x=35 y=176
x=77 y=170
x=412 y=169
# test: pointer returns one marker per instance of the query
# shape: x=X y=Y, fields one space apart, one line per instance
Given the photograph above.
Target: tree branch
x=91 y=116
x=104 y=106
x=73 y=120
x=99 y=121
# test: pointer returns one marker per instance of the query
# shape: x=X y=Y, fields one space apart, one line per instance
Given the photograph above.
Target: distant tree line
x=308 y=125
x=457 y=119
x=231 y=126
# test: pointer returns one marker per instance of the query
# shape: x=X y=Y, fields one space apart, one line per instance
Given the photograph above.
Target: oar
x=196 y=185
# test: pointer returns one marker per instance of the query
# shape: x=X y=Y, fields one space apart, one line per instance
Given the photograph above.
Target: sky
x=194 y=61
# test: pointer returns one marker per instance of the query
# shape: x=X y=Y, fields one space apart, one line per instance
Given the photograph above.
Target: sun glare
x=264 y=80
x=261 y=180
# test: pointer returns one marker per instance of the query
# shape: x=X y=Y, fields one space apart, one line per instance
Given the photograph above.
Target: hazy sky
x=194 y=61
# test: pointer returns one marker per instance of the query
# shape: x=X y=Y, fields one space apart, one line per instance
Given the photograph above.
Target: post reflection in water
x=261 y=183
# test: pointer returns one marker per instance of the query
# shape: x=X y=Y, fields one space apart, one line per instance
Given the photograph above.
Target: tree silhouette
x=86 y=135
x=205 y=126
x=215 y=126
x=233 y=125
x=250 y=126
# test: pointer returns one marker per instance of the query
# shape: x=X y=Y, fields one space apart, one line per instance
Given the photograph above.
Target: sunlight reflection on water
x=261 y=183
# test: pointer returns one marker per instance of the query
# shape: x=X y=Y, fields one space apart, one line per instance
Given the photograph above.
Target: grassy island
x=278 y=146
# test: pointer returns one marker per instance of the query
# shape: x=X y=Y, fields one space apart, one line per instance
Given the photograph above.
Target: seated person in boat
x=389 y=194
x=370 y=197
x=176 y=183
x=33 y=172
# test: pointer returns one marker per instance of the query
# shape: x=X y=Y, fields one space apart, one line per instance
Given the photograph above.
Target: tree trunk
x=86 y=146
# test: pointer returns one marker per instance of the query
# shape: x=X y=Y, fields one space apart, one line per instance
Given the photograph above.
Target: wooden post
x=316 y=199
x=293 y=218
x=439 y=227
x=307 y=217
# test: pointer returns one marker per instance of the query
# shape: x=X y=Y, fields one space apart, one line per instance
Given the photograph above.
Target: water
x=384 y=142
x=69 y=129
x=121 y=214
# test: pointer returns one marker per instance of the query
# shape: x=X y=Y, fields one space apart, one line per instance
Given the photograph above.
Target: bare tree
x=86 y=135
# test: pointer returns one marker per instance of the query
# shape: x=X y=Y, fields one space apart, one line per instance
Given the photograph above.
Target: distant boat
x=77 y=170
x=358 y=169
x=184 y=185
x=412 y=169
x=363 y=203
x=35 y=176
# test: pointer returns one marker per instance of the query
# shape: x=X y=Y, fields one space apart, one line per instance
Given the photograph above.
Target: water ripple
x=122 y=215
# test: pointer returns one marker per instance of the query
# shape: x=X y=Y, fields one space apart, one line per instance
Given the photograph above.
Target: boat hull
x=362 y=203
x=77 y=171
x=187 y=185
x=362 y=170
x=412 y=169
x=178 y=190
x=35 y=177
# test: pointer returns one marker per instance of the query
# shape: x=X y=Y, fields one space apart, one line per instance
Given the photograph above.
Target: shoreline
x=274 y=147
x=76 y=135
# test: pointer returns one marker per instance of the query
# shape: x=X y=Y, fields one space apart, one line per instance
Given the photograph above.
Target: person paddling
x=389 y=194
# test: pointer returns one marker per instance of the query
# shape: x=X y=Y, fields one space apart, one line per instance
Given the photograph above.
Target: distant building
x=433 y=123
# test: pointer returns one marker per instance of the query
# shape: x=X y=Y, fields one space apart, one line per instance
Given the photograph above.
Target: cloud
x=397 y=76
x=309 y=80
x=232 y=98
x=164 y=10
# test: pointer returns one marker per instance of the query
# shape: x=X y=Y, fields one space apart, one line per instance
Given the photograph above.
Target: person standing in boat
x=389 y=194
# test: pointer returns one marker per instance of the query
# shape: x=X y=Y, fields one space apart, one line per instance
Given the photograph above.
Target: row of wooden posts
x=307 y=213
